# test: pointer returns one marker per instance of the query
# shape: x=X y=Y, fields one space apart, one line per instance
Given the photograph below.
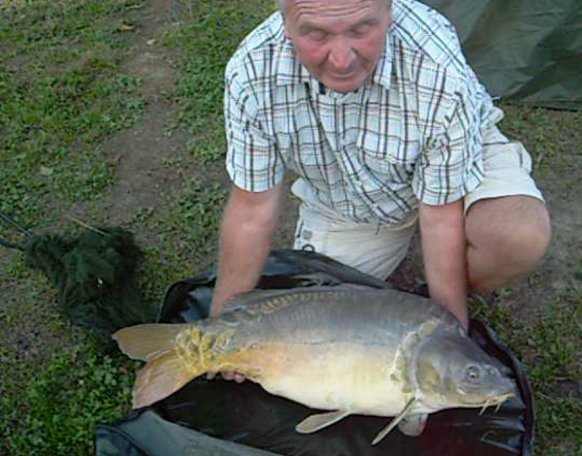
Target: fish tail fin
x=146 y=342
x=161 y=377
x=165 y=372
x=175 y=355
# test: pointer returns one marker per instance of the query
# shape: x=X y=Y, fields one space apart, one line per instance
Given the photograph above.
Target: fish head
x=453 y=371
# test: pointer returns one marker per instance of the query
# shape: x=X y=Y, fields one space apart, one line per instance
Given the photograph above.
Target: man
x=374 y=107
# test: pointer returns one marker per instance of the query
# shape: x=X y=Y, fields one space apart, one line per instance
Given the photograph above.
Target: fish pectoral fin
x=314 y=423
x=413 y=425
x=384 y=432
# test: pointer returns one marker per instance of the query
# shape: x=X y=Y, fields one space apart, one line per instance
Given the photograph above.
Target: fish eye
x=473 y=374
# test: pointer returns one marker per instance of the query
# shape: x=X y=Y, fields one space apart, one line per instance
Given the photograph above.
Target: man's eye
x=317 y=35
x=362 y=30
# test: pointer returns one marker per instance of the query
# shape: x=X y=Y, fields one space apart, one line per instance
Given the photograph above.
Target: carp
x=345 y=349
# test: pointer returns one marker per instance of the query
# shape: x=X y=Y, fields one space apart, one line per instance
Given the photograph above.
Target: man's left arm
x=450 y=167
x=445 y=259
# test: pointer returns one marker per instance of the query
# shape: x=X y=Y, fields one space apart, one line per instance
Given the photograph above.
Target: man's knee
x=526 y=243
x=506 y=236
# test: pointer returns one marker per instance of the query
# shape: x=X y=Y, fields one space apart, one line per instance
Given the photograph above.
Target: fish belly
x=328 y=377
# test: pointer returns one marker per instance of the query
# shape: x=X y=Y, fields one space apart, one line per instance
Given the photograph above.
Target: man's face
x=338 y=41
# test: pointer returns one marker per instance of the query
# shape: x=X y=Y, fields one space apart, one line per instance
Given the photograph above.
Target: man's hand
x=444 y=251
x=239 y=378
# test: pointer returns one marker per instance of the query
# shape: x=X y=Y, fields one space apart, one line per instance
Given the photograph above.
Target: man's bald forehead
x=281 y=3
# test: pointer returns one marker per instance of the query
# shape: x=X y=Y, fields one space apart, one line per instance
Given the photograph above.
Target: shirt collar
x=383 y=72
x=291 y=71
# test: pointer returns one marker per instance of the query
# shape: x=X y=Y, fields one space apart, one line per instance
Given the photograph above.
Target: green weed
x=55 y=413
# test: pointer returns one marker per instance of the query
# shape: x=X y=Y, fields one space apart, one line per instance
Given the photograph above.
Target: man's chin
x=344 y=85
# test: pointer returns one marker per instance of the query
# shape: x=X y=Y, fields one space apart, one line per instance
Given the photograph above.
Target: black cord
x=16 y=225
x=8 y=245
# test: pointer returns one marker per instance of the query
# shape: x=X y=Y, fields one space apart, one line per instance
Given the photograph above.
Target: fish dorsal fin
x=252 y=298
x=255 y=297
x=384 y=432
x=258 y=303
x=314 y=423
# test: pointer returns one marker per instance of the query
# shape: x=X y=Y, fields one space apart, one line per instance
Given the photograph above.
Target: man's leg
x=507 y=224
x=506 y=239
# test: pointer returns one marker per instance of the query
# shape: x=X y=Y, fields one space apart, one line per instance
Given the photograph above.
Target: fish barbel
x=350 y=350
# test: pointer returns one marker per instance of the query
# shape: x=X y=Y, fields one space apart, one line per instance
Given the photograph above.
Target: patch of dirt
x=143 y=152
x=29 y=331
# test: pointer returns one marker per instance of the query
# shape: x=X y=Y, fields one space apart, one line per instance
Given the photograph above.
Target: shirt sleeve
x=452 y=163
x=253 y=161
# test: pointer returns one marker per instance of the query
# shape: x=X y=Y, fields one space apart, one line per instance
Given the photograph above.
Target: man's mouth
x=343 y=75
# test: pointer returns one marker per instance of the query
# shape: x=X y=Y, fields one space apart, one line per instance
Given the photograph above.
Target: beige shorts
x=377 y=249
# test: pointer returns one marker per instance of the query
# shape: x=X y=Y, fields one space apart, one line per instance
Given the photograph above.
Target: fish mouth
x=496 y=400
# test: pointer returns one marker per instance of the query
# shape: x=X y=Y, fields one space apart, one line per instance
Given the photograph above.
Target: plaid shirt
x=412 y=132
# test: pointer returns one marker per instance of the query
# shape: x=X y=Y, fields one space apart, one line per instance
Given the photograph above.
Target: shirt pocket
x=305 y=153
x=387 y=160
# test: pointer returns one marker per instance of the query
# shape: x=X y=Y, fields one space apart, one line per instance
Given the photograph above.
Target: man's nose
x=341 y=55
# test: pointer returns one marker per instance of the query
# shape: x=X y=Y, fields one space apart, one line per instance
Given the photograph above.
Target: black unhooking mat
x=246 y=414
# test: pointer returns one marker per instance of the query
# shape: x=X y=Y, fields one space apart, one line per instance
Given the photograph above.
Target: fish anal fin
x=148 y=341
x=314 y=423
x=384 y=432
x=160 y=377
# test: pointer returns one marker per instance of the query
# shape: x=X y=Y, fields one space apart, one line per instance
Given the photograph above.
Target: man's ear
x=285 y=27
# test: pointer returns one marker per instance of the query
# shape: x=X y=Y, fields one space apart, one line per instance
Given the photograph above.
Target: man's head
x=338 y=41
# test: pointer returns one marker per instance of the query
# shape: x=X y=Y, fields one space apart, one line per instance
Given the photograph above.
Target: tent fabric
x=247 y=415
x=529 y=50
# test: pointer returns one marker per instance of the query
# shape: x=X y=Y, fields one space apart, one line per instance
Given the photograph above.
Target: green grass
x=56 y=412
x=63 y=93
x=210 y=33
x=549 y=349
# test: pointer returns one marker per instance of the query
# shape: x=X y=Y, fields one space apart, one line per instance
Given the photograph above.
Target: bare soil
x=140 y=152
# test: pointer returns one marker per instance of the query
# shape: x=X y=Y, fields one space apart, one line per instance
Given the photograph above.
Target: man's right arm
x=248 y=225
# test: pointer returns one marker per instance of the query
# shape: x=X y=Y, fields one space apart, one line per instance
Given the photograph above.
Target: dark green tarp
x=529 y=50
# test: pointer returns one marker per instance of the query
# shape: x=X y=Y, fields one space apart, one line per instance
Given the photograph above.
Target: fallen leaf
x=125 y=28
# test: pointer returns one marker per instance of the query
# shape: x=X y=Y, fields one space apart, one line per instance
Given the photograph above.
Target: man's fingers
x=228 y=375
